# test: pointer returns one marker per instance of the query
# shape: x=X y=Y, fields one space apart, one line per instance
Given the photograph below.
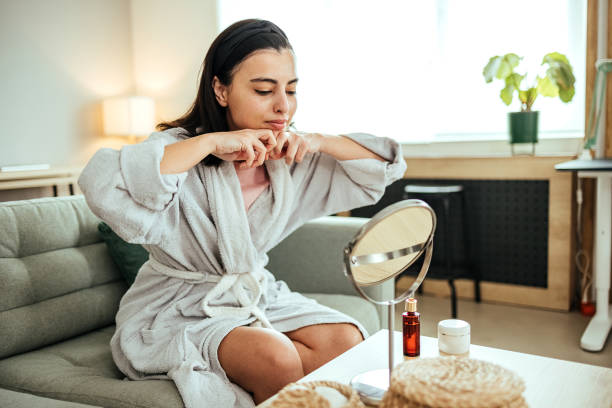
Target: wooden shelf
x=58 y=175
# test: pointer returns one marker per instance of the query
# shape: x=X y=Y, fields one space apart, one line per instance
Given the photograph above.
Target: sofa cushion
x=57 y=279
x=127 y=257
x=14 y=399
x=30 y=227
x=82 y=369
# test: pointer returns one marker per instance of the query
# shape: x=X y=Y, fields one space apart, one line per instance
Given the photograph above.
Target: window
x=412 y=70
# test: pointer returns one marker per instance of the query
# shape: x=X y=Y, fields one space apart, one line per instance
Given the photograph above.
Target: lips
x=277 y=124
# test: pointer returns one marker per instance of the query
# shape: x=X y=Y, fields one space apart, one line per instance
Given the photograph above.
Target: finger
x=302 y=150
x=291 y=150
x=250 y=156
x=269 y=138
x=280 y=143
x=261 y=152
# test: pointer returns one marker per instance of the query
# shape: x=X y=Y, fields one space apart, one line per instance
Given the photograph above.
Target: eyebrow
x=274 y=81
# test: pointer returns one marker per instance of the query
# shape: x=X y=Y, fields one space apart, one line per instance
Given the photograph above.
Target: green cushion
x=128 y=257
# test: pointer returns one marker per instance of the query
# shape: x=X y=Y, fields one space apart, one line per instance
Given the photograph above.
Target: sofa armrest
x=310 y=260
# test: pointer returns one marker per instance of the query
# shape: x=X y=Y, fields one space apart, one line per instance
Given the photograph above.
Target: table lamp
x=130 y=116
x=382 y=249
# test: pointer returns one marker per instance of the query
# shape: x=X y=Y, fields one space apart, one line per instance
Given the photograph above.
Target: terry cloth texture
x=207 y=254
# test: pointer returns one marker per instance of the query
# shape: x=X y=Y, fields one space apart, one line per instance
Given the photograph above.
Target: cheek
x=294 y=106
x=247 y=110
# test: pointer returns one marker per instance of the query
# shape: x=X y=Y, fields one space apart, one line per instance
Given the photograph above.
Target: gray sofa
x=59 y=292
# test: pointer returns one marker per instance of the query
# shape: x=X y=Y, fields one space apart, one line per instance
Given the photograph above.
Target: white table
x=595 y=334
x=549 y=382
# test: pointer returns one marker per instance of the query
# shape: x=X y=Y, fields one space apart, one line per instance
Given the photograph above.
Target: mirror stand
x=381 y=250
x=372 y=385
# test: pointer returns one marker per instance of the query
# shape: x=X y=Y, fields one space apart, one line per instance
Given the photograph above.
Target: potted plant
x=557 y=81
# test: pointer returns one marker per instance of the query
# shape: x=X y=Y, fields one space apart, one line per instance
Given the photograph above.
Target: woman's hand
x=293 y=146
x=248 y=145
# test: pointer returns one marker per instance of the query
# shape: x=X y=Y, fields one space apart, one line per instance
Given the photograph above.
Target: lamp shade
x=129 y=116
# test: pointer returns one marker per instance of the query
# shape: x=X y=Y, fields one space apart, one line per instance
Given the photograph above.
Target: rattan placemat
x=445 y=382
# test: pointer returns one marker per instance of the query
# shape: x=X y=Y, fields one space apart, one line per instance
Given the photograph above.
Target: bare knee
x=346 y=336
x=279 y=365
x=261 y=361
x=284 y=364
x=318 y=344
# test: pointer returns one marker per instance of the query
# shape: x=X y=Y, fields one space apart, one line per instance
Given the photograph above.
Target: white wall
x=60 y=58
x=170 y=40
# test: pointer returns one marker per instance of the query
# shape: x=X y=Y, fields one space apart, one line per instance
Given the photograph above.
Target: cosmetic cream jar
x=454 y=336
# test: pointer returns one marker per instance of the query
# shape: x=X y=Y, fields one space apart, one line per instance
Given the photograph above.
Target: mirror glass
x=391 y=244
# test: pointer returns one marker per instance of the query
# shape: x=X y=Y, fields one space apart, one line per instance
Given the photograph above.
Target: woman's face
x=263 y=90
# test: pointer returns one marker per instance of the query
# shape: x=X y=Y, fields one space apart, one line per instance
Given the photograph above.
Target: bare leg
x=319 y=343
x=262 y=361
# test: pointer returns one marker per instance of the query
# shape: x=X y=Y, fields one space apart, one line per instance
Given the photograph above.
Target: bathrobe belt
x=236 y=282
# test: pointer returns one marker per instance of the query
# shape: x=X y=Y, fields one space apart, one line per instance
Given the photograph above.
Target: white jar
x=454 y=336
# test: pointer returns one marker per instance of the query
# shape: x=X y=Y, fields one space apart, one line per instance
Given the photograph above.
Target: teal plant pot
x=523 y=127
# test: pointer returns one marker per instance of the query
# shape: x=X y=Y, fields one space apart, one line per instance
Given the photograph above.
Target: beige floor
x=526 y=330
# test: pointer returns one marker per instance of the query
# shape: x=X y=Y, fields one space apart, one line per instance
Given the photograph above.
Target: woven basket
x=317 y=394
x=451 y=382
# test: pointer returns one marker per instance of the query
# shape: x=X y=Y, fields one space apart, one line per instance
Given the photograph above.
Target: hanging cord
x=582 y=258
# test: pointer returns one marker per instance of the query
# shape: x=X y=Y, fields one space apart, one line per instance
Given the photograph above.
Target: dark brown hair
x=229 y=49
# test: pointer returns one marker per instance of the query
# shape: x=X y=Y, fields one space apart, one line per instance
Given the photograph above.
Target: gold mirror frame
x=384 y=258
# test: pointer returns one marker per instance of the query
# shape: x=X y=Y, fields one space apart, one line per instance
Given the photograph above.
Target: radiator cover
x=507 y=229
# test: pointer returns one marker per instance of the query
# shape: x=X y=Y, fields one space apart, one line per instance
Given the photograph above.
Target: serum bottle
x=411 y=322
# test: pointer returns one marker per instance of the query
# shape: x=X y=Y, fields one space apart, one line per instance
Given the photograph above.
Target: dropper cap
x=411 y=305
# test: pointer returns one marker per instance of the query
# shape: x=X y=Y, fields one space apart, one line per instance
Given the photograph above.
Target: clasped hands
x=253 y=146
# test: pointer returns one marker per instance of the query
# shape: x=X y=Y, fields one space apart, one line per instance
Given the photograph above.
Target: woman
x=208 y=195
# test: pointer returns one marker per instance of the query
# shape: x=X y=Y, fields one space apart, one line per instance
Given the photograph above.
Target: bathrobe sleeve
x=127 y=191
x=327 y=186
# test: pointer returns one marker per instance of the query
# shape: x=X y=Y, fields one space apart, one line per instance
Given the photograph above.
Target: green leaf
x=566 y=95
x=512 y=59
x=560 y=73
x=500 y=67
x=555 y=57
x=532 y=94
x=528 y=97
x=546 y=87
x=515 y=79
x=490 y=69
x=507 y=65
x=506 y=94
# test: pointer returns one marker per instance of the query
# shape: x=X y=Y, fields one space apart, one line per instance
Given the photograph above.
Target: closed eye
x=267 y=92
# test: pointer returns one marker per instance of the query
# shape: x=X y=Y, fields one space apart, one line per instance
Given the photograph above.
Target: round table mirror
x=394 y=239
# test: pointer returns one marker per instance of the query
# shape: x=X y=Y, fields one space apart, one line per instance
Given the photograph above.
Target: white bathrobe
x=206 y=273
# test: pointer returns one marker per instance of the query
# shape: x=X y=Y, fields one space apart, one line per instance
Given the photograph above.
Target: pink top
x=253 y=182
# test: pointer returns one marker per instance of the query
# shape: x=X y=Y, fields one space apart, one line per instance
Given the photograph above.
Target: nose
x=281 y=104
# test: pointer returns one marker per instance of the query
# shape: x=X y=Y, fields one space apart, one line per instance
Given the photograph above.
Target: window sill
x=492 y=146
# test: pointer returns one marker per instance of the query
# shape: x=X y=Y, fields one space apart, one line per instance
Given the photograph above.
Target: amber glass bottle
x=412 y=329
